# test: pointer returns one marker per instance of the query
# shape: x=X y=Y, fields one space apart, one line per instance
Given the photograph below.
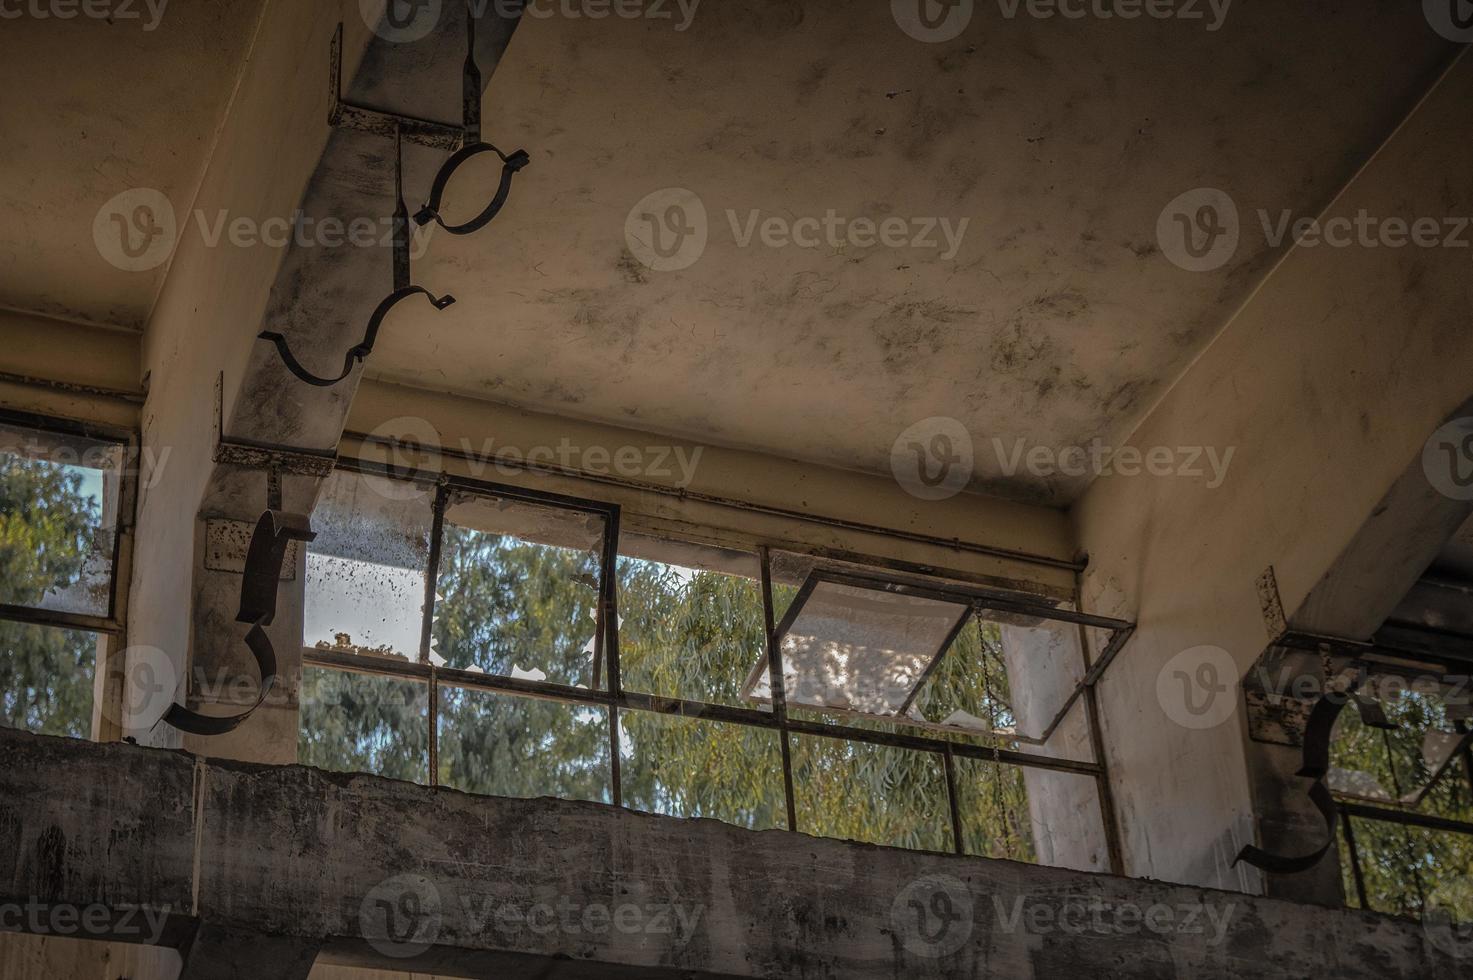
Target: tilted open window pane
x=684 y=767
x=499 y=745
x=858 y=648
x=59 y=501
x=871 y=793
x=690 y=620
x=1420 y=761
x=363 y=723
x=1008 y=672
x=518 y=591
x=46 y=678
x=366 y=568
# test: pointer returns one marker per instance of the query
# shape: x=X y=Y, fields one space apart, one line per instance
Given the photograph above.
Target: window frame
x=614 y=699
x=126 y=440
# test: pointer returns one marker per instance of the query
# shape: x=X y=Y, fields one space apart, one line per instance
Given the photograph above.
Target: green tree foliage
x=506 y=604
x=1408 y=870
x=47 y=527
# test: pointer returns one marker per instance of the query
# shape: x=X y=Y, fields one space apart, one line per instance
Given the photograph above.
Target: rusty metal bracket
x=472 y=146
x=268 y=550
x=402 y=290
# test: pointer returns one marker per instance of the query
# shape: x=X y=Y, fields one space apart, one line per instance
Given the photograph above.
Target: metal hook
x=402 y=291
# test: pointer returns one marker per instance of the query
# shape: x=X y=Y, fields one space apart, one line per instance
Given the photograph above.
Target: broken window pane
x=519 y=587
x=499 y=745
x=364 y=723
x=684 y=767
x=46 y=677
x=690 y=620
x=366 y=567
x=59 y=500
x=871 y=793
x=861 y=649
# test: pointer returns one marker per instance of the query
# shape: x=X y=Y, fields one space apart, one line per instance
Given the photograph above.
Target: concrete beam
x=1326 y=385
x=392 y=874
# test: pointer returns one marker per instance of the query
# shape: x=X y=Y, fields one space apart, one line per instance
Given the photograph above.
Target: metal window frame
x=615 y=699
x=112 y=623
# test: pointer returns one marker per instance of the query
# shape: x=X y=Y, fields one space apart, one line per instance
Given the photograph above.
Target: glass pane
x=1414 y=871
x=519 y=590
x=863 y=650
x=683 y=767
x=58 y=520
x=500 y=745
x=366 y=568
x=46 y=679
x=362 y=723
x=1391 y=767
x=1033 y=815
x=871 y=793
x=690 y=620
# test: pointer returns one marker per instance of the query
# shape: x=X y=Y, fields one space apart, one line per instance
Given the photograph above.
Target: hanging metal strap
x=402 y=291
x=274 y=533
x=471 y=147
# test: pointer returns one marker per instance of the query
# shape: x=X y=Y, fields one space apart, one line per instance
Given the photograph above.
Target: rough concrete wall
x=1327 y=384
x=393 y=874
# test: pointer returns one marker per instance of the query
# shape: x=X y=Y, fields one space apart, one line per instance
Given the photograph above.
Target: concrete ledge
x=392 y=874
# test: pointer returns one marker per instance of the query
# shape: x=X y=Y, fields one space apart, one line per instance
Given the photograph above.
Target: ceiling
x=95 y=108
x=1057 y=320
